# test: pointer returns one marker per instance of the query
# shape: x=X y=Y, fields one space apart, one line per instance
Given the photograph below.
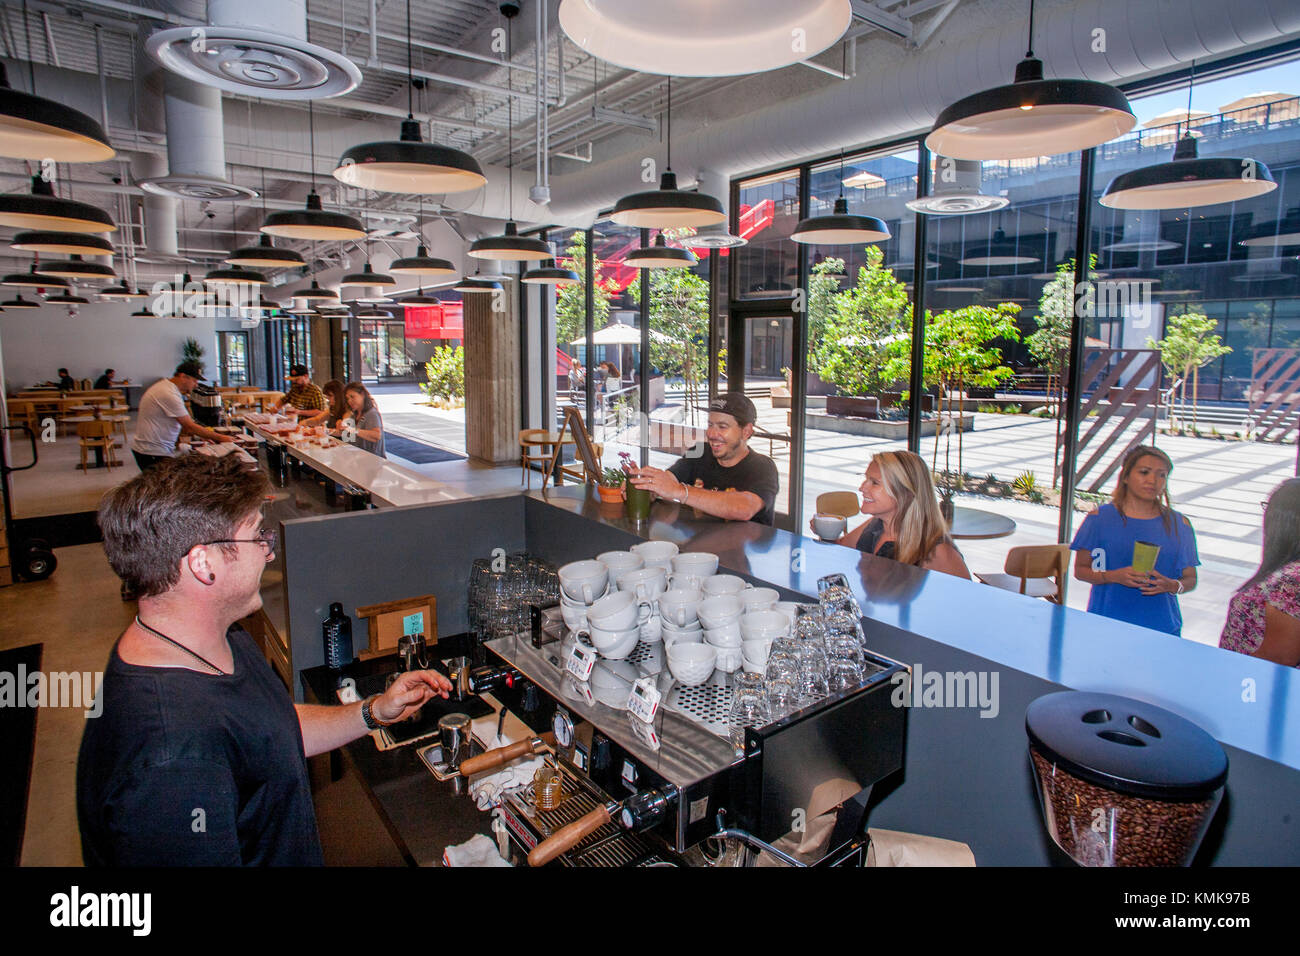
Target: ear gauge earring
x=212 y=579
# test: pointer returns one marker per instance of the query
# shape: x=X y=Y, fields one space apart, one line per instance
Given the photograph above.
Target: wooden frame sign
x=573 y=424
x=394 y=619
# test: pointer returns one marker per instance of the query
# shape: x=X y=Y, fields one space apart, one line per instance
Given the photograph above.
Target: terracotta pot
x=610 y=495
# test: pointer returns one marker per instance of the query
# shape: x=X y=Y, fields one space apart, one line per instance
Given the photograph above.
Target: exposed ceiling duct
x=196 y=145
x=256 y=48
x=903 y=96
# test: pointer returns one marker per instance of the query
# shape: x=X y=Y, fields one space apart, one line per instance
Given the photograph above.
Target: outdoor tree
x=445 y=374
x=860 y=325
x=571 y=300
x=679 y=314
x=957 y=355
x=823 y=288
x=1190 y=343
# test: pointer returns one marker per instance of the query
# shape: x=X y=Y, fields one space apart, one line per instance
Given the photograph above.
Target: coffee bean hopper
x=647 y=793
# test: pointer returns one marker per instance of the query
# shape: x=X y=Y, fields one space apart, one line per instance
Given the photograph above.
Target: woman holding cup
x=1137 y=552
x=905 y=523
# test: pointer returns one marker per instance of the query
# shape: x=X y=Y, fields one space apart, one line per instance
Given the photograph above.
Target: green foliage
x=1049 y=344
x=611 y=478
x=1188 y=346
x=823 y=289
x=445 y=372
x=679 y=312
x=956 y=347
x=571 y=300
x=1026 y=482
x=192 y=351
x=858 y=326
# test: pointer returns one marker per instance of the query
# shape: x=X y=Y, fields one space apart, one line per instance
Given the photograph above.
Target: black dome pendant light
x=368 y=277
x=668 y=207
x=42 y=209
x=313 y=222
x=549 y=272
x=840 y=228
x=409 y=165
x=1187 y=181
x=64 y=243
x=660 y=255
x=475 y=284
x=510 y=246
x=1032 y=116
x=78 y=269
x=33 y=127
x=421 y=264
x=264 y=255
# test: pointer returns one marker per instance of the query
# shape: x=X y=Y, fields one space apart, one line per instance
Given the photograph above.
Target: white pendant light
x=1032 y=116
x=35 y=128
x=690 y=38
x=312 y=221
x=840 y=228
x=668 y=207
x=1187 y=181
x=659 y=255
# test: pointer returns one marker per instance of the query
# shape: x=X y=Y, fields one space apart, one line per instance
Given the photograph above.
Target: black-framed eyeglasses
x=267 y=538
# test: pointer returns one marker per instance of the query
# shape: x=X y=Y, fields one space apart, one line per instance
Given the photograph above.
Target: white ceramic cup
x=614 y=645
x=681 y=635
x=619 y=562
x=647 y=583
x=829 y=527
x=652 y=629
x=764 y=625
x=575 y=618
x=692 y=664
x=758 y=599
x=618 y=611
x=656 y=554
x=677 y=581
x=787 y=608
x=700 y=564
x=723 y=584
x=680 y=607
x=719 y=611
x=728 y=635
x=584 y=581
x=729 y=659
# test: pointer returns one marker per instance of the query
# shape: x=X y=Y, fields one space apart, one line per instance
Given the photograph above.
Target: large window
x=232 y=358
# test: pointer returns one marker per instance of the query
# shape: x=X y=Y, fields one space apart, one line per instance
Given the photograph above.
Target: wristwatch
x=368 y=715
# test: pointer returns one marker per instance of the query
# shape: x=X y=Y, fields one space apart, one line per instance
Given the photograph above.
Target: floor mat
x=417 y=451
x=17 y=746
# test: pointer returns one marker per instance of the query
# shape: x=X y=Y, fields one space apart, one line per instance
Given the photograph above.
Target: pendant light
x=1284 y=232
x=264 y=255
x=1032 y=116
x=840 y=228
x=476 y=283
x=1001 y=251
x=313 y=222
x=41 y=209
x=1187 y=181
x=419 y=298
x=956 y=191
x=510 y=246
x=123 y=292
x=314 y=293
x=659 y=255
x=66 y=298
x=78 y=269
x=372 y=312
x=62 y=243
x=34 y=280
x=234 y=276
x=421 y=264
x=20 y=303
x=33 y=127
x=550 y=273
x=668 y=207
x=409 y=165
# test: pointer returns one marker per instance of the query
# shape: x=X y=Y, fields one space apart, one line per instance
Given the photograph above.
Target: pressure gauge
x=562 y=725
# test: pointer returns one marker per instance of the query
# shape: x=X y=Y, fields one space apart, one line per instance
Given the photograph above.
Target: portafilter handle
x=567 y=837
x=500 y=756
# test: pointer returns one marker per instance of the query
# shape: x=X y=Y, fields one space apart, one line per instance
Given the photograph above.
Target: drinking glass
x=748 y=706
x=834 y=593
x=814 y=672
x=782 y=697
x=809 y=622
x=843 y=674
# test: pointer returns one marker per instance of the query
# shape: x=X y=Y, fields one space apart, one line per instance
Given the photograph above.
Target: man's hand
x=662 y=483
x=406 y=695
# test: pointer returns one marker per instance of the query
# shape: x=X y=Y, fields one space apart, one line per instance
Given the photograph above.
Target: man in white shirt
x=163 y=417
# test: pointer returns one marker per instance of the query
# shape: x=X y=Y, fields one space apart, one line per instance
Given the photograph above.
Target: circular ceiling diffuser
x=202 y=188
x=714 y=237
x=255 y=63
x=687 y=38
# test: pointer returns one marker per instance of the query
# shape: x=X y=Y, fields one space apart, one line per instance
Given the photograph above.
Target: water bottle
x=337 y=631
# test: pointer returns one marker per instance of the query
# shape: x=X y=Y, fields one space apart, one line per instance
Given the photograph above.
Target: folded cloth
x=486 y=789
x=479 y=850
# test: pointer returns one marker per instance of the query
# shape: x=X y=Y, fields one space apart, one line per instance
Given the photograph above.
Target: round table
x=973 y=523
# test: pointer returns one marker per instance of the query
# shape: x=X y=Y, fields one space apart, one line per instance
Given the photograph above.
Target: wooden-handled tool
x=567 y=837
x=500 y=756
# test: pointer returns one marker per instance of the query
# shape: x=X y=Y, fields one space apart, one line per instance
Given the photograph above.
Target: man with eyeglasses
x=199 y=755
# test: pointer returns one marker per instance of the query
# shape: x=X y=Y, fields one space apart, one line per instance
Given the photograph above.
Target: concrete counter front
x=979 y=655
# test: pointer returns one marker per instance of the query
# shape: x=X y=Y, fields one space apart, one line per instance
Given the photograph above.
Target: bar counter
x=967 y=773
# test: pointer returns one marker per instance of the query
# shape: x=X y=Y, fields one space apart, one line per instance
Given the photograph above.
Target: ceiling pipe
x=906 y=90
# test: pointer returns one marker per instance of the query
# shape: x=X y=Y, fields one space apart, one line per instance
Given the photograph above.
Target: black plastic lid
x=1127 y=745
x=336 y=609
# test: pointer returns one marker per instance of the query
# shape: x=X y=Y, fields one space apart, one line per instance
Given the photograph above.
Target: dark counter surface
x=1242 y=701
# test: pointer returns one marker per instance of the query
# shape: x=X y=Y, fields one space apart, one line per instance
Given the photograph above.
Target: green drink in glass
x=638 y=502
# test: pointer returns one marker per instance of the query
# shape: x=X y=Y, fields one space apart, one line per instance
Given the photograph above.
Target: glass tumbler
x=748 y=706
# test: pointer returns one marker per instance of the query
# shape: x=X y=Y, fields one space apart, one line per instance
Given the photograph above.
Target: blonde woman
x=905 y=523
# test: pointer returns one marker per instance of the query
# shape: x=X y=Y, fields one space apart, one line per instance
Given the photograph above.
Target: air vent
x=201 y=188
x=255 y=62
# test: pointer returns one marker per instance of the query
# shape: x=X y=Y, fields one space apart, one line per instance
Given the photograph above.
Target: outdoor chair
x=842 y=503
x=1037 y=570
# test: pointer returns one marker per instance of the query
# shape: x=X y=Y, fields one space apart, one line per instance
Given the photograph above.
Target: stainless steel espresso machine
x=633 y=792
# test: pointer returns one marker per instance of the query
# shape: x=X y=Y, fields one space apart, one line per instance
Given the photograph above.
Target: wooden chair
x=533 y=439
x=1037 y=570
x=842 y=503
x=97 y=434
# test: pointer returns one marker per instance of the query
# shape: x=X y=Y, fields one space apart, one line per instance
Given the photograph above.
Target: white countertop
x=388 y=484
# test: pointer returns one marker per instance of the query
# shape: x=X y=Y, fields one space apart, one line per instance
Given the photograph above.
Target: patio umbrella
x=1255 y=107
x=618 y=334
x=1169 y=125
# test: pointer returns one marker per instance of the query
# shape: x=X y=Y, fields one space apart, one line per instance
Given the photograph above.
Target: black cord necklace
x=197 y=656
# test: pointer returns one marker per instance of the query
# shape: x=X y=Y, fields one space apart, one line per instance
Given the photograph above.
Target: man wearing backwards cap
x=304 y=399
x=163 y=417
x=722 y=477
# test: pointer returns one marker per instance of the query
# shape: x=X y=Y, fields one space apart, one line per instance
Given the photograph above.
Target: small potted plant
x=610 y=484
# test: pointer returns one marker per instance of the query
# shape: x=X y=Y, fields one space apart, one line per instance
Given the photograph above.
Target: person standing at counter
x=304 y=397
x=906 y=524
x=199 y=756
x=722 y=476
x=163 y=417
x=1264 y=614
x=363 y=425
x=337 y=408
x=1115 y=545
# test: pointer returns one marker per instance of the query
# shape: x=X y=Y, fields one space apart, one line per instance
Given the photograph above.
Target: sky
x=1212 y=95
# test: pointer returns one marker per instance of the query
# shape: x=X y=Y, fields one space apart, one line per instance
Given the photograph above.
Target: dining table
x=975 y=523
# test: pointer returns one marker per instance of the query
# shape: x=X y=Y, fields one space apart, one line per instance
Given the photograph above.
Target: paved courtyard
x=1217 y=484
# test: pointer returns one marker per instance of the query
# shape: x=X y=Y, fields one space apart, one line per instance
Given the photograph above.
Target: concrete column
x=492 y=375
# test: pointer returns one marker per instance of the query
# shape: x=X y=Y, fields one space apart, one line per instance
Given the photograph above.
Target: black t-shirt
x=172 y=742
x=871 y=534
x=754 y=473
x=67 y=383
x=102 y=382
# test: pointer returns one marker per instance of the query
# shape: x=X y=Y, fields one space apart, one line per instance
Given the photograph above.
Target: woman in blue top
x=1139 y=512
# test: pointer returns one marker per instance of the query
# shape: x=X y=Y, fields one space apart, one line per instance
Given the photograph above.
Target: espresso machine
x=662 y=791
